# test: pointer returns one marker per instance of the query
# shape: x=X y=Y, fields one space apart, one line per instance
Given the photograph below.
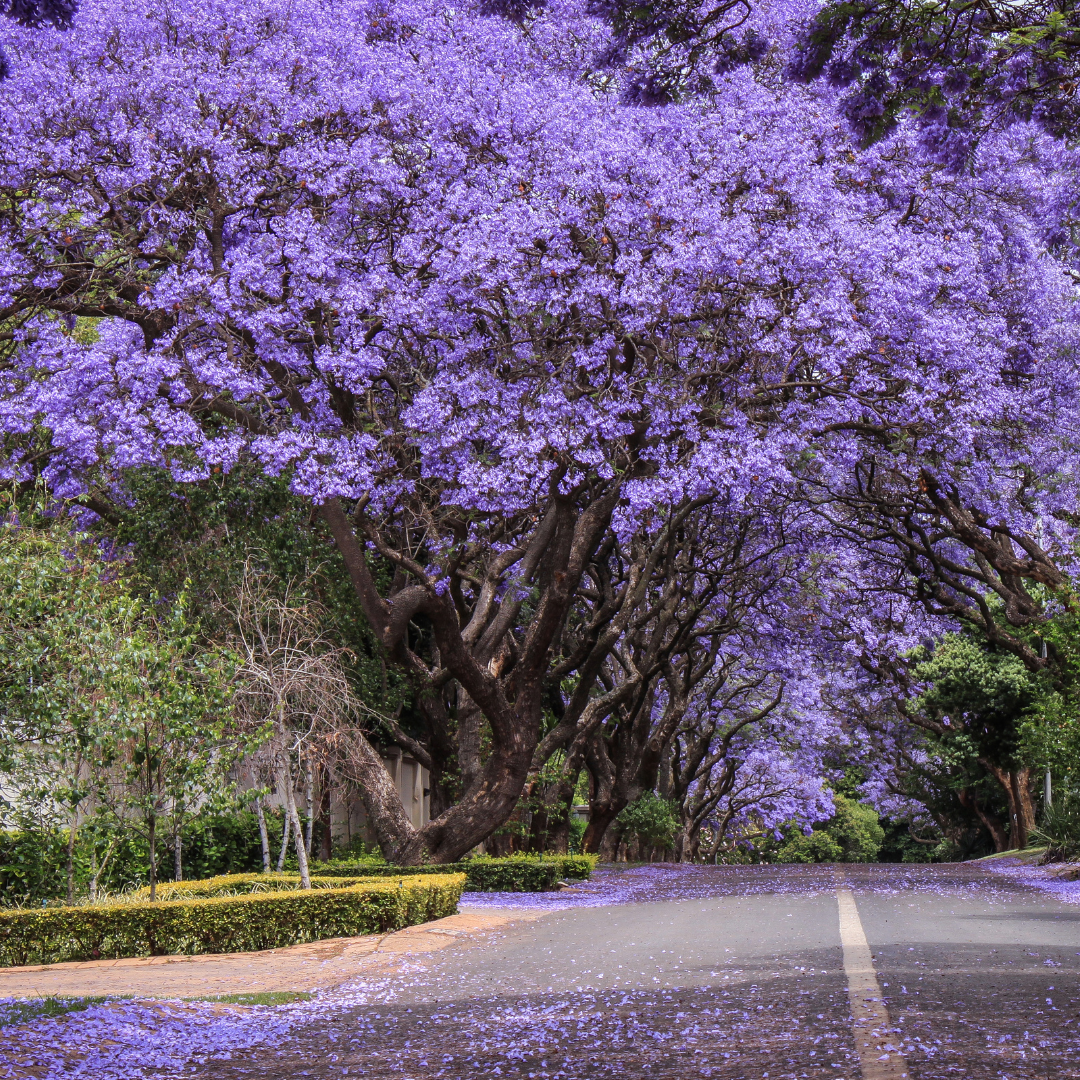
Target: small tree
x=293 y=692
x=104 y=705
x=174 y=745
x=652 y=820
x=60 y=620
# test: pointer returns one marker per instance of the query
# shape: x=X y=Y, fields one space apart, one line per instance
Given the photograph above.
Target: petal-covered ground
x=661 y=971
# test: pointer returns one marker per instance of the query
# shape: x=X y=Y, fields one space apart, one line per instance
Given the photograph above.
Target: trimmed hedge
x=517 y=873
x=575 y=867
x=240 y=884
x=268 y=920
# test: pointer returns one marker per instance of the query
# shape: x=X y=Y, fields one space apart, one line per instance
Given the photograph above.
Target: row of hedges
x=241 y=884
x=224 y=924
x=33 y=864
x=512 y=874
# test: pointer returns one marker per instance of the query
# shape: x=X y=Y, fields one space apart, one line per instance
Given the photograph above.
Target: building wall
x=347 y=818
x=412 y=781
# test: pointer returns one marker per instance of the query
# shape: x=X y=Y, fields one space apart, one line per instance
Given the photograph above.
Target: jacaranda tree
x=503 y=326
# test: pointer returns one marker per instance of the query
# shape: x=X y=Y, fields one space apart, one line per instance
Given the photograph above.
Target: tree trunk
x=1017 y=787
x=264 y=837
x=297 y=828
x=309 y=809
x=510 y=700
x=72 y=833
x=326 y=825
x=990 y=823
x=96 y=871
x=152 y=829
x=286 y=830
x=1024 y=799
x=178 y=857
x=600 y=818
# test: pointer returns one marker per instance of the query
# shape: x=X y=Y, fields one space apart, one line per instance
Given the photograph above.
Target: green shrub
x=852 y=834
x=511 y=875
x=575 y=867
x=33 y=863
x=856 y=828
x=241 y=884
x=223 y=924
x=516 y=873
x=817 y=847
x=577 y=833
x=1059 y=831
x=654 y=821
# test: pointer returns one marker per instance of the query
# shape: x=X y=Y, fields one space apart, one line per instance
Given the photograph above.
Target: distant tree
x=974 y=703
x=852 y=834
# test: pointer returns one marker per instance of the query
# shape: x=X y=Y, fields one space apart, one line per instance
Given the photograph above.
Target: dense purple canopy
x=442 y=265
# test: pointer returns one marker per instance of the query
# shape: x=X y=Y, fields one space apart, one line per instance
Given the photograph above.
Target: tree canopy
x=601 y=346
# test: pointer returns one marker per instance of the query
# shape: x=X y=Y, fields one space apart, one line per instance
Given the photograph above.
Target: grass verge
x=23 y=1010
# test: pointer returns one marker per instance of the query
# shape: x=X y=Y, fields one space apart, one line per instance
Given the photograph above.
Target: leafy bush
x=1060 y=831
x=223 y=924
x=654 y=821
x=574 y=867
x=852 y=834
x=577 y=833
x=511 y=875
x=32 y=863
x=817 y=847
x=516 y=873
x=241 y=884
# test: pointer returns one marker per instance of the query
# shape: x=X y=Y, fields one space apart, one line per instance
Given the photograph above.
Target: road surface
x=763 y=973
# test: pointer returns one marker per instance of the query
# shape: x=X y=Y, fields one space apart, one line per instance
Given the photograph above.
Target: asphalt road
x=741 y=974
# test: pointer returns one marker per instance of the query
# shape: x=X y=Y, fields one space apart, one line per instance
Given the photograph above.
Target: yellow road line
x=879 y=1050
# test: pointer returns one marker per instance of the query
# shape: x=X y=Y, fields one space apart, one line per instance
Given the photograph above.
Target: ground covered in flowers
x=671 y=972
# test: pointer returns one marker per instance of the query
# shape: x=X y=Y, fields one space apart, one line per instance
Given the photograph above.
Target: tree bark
x=286 y=830
x=72 y=834
x=503 y=677
x=1016 y=784
x=297 y=828
x=990 y=823
x=264 y=837
x=152 y=830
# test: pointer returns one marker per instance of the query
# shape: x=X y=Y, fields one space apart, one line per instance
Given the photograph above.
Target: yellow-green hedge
x=239 y=884
x=514 y=873
x=267 y=920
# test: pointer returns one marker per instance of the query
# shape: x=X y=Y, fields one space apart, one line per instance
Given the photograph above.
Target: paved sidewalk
x=316 y=965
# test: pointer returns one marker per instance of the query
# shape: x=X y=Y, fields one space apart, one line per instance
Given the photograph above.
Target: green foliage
x=33 y=861
x=577 y=834
x=223 y=924
x=206 y=532
x=574 y=867
x=817 y=847
x=242 y=884
x=515 y=873
x=980 y=694
x=511 y=875
x=32 y=865
x=856 y=828
x=1059 y=830
x=852 y=834
x=107 y=701
x=652 y=820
